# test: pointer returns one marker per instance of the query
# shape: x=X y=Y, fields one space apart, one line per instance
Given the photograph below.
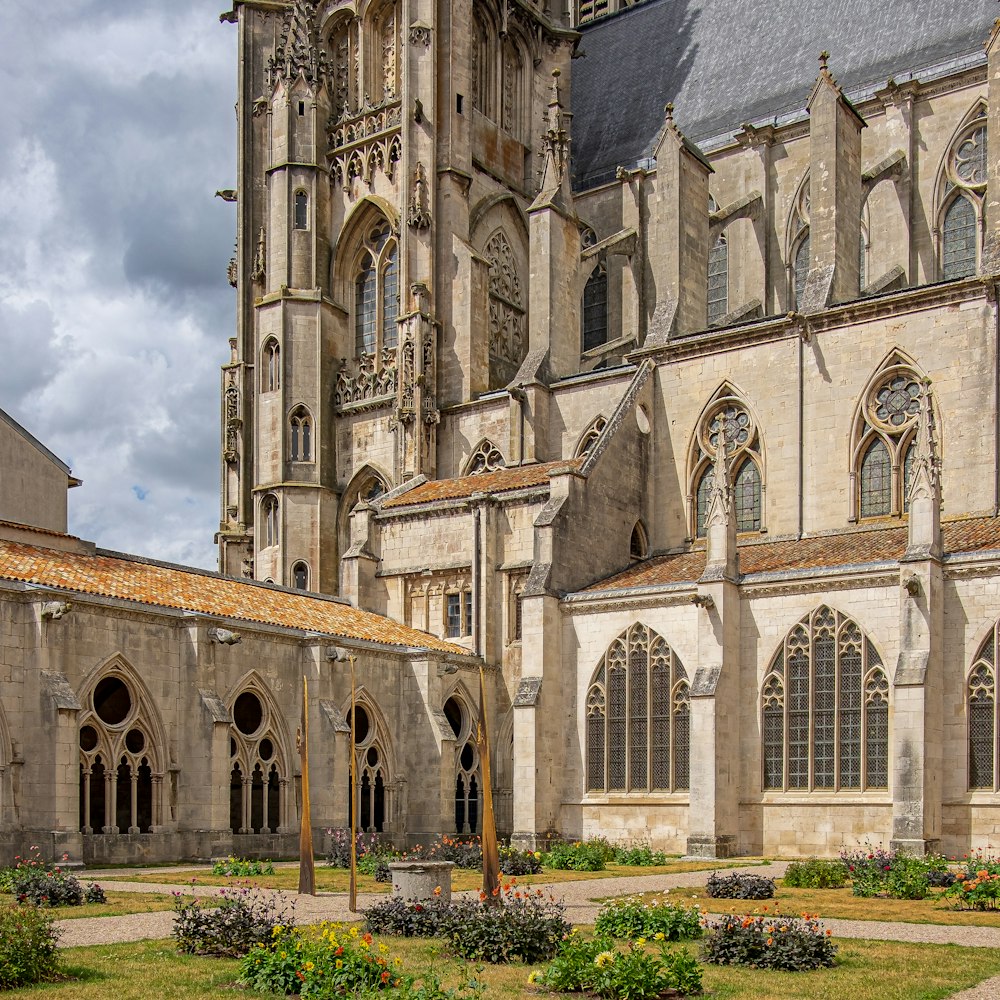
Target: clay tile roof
x=517 y=477
x=849 y=548
x=130 y=579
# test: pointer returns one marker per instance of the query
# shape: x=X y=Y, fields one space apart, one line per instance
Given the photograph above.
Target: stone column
x=715 y=721
x=834 y=194
x=917 y=751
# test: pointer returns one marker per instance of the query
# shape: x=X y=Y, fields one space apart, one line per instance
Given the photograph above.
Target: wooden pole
x=353 y=902
x=491 y=852
x=307 y=863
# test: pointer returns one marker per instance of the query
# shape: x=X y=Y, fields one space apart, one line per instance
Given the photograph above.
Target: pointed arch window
x=746 y=462
x=301 y=210
x=801 y=268
x=376 y=292
x=884 y=431
x=300 y=436
x=718 y=279
x=486 y=458
x=121 y=770
x=981 y=703
x=591 y=436
x=372 y=770
x=638 y=717
x=825 y=709
x=385 y=63
x=507 y=337
x=594 y=310
x=270 y=374
x=269 y=521
x=638 y=545
x=963 y=187
x=258 y=774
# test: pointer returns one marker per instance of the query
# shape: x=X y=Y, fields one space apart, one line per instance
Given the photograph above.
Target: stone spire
x=720 y=518
x=555 y=144
x=924 y=493
x=299 y=50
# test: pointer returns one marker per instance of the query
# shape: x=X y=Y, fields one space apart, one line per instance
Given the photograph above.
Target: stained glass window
x=376 y=293
x=959 y=238
x=746 y=497
x=824 y=709
x=802 y=262
x=718 y=279
x=595 y=308
x=876 y=481
x=638 y=717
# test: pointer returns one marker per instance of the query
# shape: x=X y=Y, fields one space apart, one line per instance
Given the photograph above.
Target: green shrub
x=525 y=926
x=897 y=874
x=739 y=886
x=632 y=917
x=816 y=873
x=639 y=855
x=35 y=881
x=27 y=946
x=781 y=943
x=242 y=867
x=513 y=925
x=324 y=961
x=590 y=856
x=245 y=917
x=6 y=879
x=633 y=973
x=514 y=861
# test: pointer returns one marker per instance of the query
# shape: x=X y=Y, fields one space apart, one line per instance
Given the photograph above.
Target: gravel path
x=582 y=900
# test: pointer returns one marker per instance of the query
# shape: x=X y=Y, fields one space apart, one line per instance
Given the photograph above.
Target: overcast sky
x=115 y=313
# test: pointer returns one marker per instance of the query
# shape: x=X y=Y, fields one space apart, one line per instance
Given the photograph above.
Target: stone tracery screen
x=638 y=721
x=825 y=709
x=507 y=337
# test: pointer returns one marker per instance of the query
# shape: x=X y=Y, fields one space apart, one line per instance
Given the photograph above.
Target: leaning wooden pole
x=353 y=901
x=491 y=852
x=307 y=864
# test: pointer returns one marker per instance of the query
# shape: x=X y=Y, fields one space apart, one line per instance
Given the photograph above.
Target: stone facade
x=533 y=465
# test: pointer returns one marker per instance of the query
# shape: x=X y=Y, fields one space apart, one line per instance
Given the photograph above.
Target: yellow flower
x=309 y=966
x=605 y=958
x=640 y=942
x=340 y=963
x=276 y=930
x=533 y=978
x=284 y=955
x=659 y=936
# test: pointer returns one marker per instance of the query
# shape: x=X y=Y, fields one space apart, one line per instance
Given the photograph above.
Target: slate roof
x=131 y=579
x=517 y=477
x=726 y=62
x=851 y=548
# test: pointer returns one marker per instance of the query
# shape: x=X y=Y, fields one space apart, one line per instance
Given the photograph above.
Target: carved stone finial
x=299 y=50
x=555 y=141
x=668 y=113
x=925 y=479
x=824 y=58
x=720 y=504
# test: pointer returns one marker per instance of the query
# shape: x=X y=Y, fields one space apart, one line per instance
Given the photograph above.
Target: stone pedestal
x=422 y=879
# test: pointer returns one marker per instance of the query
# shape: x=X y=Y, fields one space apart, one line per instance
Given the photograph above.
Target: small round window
x=248 y=713
x=112 y=701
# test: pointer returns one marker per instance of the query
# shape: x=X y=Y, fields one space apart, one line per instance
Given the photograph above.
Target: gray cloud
x=114 y=309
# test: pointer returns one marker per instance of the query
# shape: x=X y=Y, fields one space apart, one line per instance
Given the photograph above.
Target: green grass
x=865 y=970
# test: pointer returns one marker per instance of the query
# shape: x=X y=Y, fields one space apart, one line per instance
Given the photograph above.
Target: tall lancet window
x=961 y=194
x=376 y=292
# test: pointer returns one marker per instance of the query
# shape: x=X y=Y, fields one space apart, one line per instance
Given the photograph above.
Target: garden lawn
x=841 y=904
x=866 y=970
x=338 y=879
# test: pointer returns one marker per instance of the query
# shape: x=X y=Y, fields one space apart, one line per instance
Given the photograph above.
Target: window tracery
x=507 y=312
x=497 y=76
x=486 y=458
x=270 y=375
x=300 y=435
x=376 y=292
x=718 y=279
x=638 y=717
x=963 y=189
x=594 y=309
x=372 y=769
x=468 y=778
x=121 y=758
x=269 y=521
x=258 y=774
x=982 y=716
x=798 y=243
x=883 y=444
x=590 y=436
x=746 y=462
x=825 y=709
